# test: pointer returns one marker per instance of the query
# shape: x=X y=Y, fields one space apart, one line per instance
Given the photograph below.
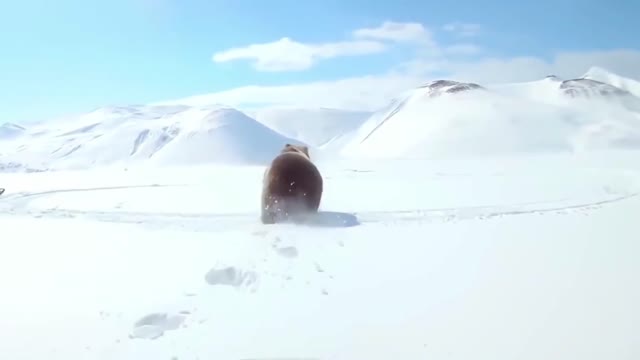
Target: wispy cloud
x=289 y=55
x=397 y=32
x=463 y=29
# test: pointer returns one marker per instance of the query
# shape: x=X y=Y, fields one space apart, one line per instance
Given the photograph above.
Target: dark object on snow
x=292 y=186
x=1 y=191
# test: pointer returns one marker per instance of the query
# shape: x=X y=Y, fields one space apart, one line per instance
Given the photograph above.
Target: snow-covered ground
x=461 y=221
x=486 y=259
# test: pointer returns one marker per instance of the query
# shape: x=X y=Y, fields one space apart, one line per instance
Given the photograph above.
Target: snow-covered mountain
x=447 y=118
x=405 y=101
x=590 y=88
x=439 y=119
x=151 y=134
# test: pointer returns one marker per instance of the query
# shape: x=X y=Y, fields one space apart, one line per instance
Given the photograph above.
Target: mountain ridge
x=576 y=115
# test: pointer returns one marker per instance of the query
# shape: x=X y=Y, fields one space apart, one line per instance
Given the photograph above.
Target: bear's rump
x=293 y=181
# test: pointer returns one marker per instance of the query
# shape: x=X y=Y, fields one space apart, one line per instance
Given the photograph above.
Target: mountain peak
x=596 y=72
x=439 y=87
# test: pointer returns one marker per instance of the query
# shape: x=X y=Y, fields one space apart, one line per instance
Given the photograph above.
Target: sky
x=71 y=56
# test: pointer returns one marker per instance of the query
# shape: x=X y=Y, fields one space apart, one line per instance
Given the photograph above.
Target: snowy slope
x=599 y=74
x=161 y=135
x=578 y=92
x=487 y=259
x=222 y=135
x=314 y=126
x=544 y=115
x=544 y=90
x=10 y=131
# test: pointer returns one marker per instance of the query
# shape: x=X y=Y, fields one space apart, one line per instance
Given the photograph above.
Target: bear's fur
x=292 y=186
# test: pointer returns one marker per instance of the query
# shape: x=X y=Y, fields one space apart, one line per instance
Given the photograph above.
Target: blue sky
x=72 y=56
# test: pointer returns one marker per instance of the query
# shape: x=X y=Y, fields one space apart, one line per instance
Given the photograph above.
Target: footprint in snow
x=154 y=325
x=230 y=276
x=287 y=251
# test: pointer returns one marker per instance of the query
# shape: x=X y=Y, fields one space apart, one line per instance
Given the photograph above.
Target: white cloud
x=289 y=55
x=463 y=29
x=397 y=32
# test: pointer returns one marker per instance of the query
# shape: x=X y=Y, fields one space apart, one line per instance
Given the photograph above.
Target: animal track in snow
x=230 y=276
x=154 y=325
x=284 y=251
x=287 y=251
